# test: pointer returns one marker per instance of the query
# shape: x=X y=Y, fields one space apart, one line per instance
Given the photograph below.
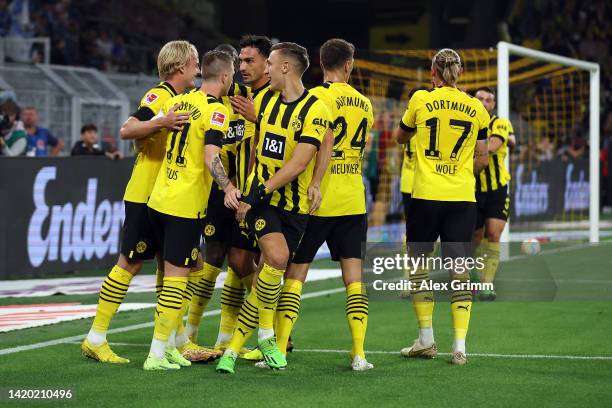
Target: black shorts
x=452 y=221
x=265 y=219
x=242 y=238
x=492 y=204
x=179 y=237
x=345 y=236
x=137 y=240
x=406 y=198
x=219 y=218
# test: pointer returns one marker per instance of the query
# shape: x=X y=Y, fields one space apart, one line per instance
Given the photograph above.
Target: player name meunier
x=404 y=285
x=344 y=168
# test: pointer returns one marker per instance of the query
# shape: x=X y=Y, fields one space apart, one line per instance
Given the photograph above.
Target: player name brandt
x=404 y=285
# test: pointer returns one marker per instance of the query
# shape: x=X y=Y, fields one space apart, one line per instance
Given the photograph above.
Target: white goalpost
x=504 y=50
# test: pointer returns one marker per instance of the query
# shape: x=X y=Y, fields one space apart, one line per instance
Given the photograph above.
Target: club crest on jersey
x=209 y=230
x=296 y=124
x=194 y=254
x=260 y=224
x=217 y=118
x=150 y=98
x=141 y=247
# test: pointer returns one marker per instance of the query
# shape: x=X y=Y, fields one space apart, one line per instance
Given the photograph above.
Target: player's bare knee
x=493 y=236
x=278 y=259
x=297 y=272
x=132 y=266
x=215 y=255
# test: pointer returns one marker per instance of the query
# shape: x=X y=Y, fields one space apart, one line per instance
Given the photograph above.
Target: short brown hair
x=259 y=42
x=215 y=63
x=336 y=52
x=485 y=89
x=173 y=56
x=298 y=53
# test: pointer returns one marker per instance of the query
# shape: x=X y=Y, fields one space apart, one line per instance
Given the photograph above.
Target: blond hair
x=173 y=56
x=447 y=64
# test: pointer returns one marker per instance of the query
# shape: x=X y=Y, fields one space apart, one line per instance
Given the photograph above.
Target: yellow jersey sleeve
x=500 y=128
x=408 y=122
x=482 y=118
x=315 y=125
x=150 y=150
x=215 y=125
x=151 y=103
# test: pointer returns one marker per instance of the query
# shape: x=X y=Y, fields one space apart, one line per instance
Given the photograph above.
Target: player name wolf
x=461 y=107
x=403 y=285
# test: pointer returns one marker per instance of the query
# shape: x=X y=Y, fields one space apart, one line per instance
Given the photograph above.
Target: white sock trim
x=96 y=338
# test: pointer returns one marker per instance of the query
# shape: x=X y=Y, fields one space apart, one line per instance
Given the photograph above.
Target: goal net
x=553 y=105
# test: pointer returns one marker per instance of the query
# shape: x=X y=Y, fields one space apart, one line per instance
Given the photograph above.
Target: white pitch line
x=490 y=355
x=495 y=355
x=80 y=337
x=48 y=343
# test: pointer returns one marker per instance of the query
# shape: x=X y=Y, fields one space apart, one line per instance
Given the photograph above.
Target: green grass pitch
x=521 y=352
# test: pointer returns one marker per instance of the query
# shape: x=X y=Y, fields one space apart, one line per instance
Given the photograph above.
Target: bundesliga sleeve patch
x=217 y=118
x=150 y=98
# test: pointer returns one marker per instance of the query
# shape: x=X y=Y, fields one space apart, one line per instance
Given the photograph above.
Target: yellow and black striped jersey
x=244 y=145
x=448 y=122
x=184 y=182
x=151 y=151
x=408 y=166
x=352 y=117
x=235 y=132
x=281 y=127
x=496 y=175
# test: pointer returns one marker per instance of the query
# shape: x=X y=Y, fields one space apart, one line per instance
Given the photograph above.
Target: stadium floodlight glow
x=504 y=50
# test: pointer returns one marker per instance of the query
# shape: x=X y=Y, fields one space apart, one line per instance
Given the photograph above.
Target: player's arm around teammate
x=179 y=198
x=341 y=220
x=292 y=124
x=178 y=66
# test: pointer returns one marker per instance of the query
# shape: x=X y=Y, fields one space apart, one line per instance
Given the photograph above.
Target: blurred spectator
x=577 y=146
x=89 y=145
x=546 y=148
x=13 y=139
x=5 y=18
x=39 y=139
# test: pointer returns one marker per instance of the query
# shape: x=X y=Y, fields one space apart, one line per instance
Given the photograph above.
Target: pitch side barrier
x=59 y=214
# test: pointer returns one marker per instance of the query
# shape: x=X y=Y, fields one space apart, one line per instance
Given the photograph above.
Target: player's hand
x=243 y=208
x=232 y=197
x=244 y=106
x=174 y=121
x=315 y=197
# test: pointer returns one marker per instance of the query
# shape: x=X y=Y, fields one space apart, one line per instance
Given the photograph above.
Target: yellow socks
x=423 y=304
x=181 y=336
x=159 y=283
x=287 y=312
x=461 y=307
x=112 y=293
x=268 y=290
x=167 y=312
x=247 y=321
x=491 y=261
x=232 y=297
x=357 y=316
x=203 y=287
